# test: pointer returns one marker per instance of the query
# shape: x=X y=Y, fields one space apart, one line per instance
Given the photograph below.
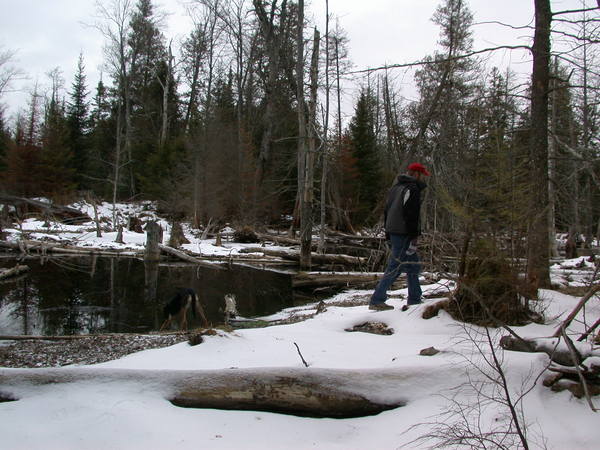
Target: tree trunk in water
x=538 y=272
x=153 y=241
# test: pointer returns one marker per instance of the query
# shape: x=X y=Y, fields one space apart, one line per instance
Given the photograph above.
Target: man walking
x=402 y=229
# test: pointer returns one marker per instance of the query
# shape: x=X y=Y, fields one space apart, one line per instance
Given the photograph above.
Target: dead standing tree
x=306 y=138
x=272 y=34
x=538 y=255
x=115 y=28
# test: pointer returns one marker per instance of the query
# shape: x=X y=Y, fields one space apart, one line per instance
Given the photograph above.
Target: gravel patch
x=82 y=350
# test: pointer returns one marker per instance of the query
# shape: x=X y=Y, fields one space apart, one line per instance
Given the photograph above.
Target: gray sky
x=51 y=33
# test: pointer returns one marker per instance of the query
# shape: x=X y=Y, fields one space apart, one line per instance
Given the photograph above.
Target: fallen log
x=65 y=213
x=316 y=258
x=305 y=392
x=13 y=272
x=25 y=246
x=188 y=258
x=336 y=241
x=315 y=280
x=558 y=351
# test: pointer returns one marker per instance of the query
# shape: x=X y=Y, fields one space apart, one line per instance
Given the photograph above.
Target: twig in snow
x=301 y=357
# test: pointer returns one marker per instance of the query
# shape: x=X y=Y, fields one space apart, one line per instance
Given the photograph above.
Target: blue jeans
x=400 y=262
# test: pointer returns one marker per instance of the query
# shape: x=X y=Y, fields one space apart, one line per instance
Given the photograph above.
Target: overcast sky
x=51 y=33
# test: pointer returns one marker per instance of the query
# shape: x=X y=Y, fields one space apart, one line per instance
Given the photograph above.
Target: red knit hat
x=418 y=167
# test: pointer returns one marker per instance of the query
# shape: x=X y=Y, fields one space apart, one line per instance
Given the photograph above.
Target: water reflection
x=62 y=296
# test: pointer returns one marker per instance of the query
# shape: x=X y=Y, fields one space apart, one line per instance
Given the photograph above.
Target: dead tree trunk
x=538 y=271
x=307 y=195
x=272 y=34
x=304 y=392
x=302 y=140
x=153 y=241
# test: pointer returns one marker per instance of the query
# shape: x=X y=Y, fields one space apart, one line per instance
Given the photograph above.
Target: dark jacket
x=403 y=207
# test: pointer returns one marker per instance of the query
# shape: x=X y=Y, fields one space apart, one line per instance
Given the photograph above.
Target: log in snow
x=316 y=280
x=64 y=213
x=317 y=258
x=186 y=257
x=304 y=392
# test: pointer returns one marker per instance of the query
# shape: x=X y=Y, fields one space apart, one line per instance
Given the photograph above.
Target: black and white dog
x=178 y=306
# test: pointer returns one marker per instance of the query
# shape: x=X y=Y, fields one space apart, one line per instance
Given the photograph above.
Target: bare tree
x=325 y=145
x=8 y=71
x=114 y=26
x=272 y=25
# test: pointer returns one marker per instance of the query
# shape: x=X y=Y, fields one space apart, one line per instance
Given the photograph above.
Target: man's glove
x=412 y=248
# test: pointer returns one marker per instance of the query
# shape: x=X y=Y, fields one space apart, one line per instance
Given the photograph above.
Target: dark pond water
x=62 y=296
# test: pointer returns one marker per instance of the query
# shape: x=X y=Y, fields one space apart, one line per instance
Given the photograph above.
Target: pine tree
x=57 y=173
x=78 y=124
x=365 y=151
x=148 y=56
x=101 y=142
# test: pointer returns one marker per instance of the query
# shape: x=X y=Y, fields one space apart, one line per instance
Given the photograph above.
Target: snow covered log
x=184 y=256
x=64 y=213
x=305 y=392
x=42 y=247
x=555 y=348
x=316 y=258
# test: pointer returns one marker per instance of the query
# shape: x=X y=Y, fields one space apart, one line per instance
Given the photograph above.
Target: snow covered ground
x=118 y=415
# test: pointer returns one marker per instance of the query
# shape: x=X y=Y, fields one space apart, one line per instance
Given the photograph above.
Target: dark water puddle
x=77 y=295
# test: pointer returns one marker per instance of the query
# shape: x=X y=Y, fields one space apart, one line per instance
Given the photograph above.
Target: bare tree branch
x=577 y=308
x=443 y=60
x=575 y=11
x=574 y=356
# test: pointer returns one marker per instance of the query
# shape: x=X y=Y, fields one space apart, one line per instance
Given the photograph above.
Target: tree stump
x=177 y=236
x=153 y=240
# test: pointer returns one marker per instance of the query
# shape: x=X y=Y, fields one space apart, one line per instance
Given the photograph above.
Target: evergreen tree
x=101 y=141
x=57 y=173
x=147 y=55
x=446 y=118
x=78 y=124
x=365 y=152
x=22 y=174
